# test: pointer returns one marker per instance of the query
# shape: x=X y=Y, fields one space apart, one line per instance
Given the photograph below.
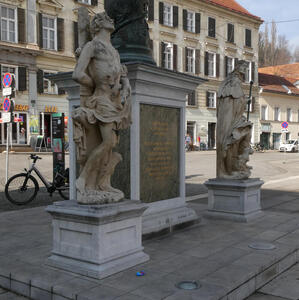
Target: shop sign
x=266 y=127
x=51 y=109
x=18 y=107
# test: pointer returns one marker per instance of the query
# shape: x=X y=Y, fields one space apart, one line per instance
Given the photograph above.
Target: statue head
x=101 y=21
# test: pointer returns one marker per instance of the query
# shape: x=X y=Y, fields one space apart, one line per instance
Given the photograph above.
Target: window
x=264 y=112
x=49 y=33
x=248 y=38
x=211 y=64
x=298 y=118
x=276 y=114
x=211 y=99
x=230 y=33
x=289 y=114
x=9 y=69
x=167 y=14
x=190 y=21
x=230 y=65
x=191 y=101
x=49 y=86
x=168 y=56
x=190 y=60
x=8 y=24
x=85 y=1
x=248 y=73
x=211 y=27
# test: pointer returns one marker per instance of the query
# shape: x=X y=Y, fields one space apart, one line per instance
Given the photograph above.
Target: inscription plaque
x=159 y=152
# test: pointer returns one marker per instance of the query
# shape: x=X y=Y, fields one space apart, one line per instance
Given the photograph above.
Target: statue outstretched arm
x=79 y=73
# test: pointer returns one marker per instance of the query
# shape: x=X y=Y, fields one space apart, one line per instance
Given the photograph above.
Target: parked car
x=289 y=146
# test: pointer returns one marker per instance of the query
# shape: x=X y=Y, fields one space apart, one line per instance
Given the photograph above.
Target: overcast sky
x=277 y=10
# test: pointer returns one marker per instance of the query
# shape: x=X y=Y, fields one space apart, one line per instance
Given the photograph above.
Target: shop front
x=265 y=135
x=19 y=130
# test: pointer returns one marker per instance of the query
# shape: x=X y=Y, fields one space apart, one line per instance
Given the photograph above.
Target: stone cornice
x=46 y=4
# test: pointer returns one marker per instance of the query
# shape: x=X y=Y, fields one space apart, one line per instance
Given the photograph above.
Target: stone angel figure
x=233 y=129
x=104 y=109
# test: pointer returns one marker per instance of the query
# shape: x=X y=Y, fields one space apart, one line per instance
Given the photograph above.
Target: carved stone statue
x=104 y=110
x=131 y=36
x=233 y=130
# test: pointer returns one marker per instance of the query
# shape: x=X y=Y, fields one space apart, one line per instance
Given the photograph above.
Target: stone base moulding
x=237 y=200
x=96 y=240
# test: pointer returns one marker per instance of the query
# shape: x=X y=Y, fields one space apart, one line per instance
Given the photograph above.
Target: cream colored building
x=205 y=38
x=37 y=38
x=279 y=102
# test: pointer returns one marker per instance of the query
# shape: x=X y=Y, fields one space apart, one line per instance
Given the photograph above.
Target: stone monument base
x=96 y=240
x=237 y=200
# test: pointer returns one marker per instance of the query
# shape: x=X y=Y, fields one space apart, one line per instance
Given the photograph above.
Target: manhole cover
x=188 y=285
x=262 y=246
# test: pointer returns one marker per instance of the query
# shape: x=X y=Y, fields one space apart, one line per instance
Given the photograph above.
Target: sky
x=277 y=10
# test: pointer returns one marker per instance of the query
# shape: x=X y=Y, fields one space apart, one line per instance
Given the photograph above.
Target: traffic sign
x=6 y=117
x=6 y=104
x=284 y=130
x=7 y=91
x=284 y=124
x=7 y=80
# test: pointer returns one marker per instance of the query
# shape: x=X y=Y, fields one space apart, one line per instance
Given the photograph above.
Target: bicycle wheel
x=21 y=190
x=64 y=192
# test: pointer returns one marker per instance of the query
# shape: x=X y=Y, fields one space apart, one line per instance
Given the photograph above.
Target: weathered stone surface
x=159 y=152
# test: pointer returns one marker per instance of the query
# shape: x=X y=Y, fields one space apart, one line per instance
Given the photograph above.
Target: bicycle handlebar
x=34 y=157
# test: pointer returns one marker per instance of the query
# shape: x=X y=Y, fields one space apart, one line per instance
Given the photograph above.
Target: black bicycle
x=22 y=188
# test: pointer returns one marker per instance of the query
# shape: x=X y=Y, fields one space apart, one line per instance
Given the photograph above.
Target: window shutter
x=206 y=63
x=252 y=70
x=248 y=37
x=225 y=66
x=60 y=34
x=186 y=59
x=217 y=65
x=175 y=11
x=151 y=14
x=94 y=2
x=252 y=104
x=212 y=23
x=230 y=33
x=161 y=12
x=76 y=40
x=191 y=99
x=21 y=26
x=236 y=61
x=197 y=61
x=207 y=99
x=175 y=57
x=40 y=30
x=40 y=81
x=22 y=78
x=162 y=61
x=197 y=23
x=184 y=19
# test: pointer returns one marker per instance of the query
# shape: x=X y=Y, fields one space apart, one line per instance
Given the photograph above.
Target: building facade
x=279 y=102
x=206 y=38
x=37 y=38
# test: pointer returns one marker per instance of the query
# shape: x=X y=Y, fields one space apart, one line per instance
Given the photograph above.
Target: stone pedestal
x=96 y=240
x=237 y=200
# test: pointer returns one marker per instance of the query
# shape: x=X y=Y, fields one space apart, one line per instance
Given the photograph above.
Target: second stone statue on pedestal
x=104 y=110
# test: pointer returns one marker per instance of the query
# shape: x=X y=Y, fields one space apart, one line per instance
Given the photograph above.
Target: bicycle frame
x=47 y=184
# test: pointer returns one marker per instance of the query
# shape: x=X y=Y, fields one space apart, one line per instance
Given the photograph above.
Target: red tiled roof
x=289 y=70
x=275 y=83
x=234 y=6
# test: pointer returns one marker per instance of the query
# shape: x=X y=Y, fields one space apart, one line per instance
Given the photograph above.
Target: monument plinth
x=233 y=195
x=96 y=240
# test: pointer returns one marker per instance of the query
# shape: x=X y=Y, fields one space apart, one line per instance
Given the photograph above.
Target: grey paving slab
x=2 y=291
x=260 y=296
x=101 y=293
x=11 y=296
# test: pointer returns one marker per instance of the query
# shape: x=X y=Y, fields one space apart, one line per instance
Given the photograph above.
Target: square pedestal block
x=96 y=240
x=237 y=200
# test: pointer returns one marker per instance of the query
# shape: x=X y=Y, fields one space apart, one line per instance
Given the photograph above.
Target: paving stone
x=260 y=296
x=101 y=293
x=11 y=296
x=2 y=291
